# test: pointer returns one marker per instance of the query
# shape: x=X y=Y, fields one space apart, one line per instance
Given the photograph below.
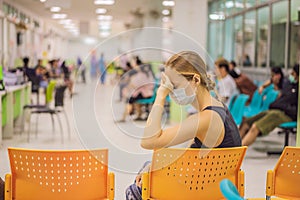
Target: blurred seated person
x=283 y=109
x=244 y=84
x=30 y=75
x=247 y=62
x=277 y=79
x=54 y=71
x=125 y=78
x=67 y=77
x=140 y=86
x=226 y=85
x=42 y=73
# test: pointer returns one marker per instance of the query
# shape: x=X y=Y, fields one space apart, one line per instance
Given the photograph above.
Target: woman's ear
x=197 y=79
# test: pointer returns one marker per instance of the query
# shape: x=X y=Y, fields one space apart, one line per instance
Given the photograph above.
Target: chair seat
x=288 y=125
x=30 y=106
x=45 y=110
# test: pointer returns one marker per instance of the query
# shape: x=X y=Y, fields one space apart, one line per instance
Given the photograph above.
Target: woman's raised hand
x=165 y=85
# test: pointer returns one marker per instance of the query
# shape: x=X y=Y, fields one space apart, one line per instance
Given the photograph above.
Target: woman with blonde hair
x=187 y=82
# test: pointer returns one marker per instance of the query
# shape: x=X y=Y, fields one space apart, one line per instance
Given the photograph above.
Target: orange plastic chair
x=192 y=173
x=59 y=174
x=284 y=180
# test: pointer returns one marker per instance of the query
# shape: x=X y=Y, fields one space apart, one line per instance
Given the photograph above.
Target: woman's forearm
x=153 y=127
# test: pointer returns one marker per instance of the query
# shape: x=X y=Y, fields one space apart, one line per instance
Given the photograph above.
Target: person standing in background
x=93 y=71
x=102 y=69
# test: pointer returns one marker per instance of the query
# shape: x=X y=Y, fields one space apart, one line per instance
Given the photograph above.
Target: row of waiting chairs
x=259 y=103
x=175 y=174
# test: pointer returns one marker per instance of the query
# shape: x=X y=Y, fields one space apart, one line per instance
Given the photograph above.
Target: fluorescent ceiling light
x=104 y=17
x=55 y=9
x=65 y=21
x=59 y=16
x=43 y=1
x=168 y=3
x=104 y=23
x=216 y=16
x=231 y=4
x=101 y=11
x=101 y=27
x=165 y=12
x=104 y=2
x=70 y=26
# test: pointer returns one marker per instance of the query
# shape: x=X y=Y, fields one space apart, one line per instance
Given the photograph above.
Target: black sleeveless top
x=231 y=137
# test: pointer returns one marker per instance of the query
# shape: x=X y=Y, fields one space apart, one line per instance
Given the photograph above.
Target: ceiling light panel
x=168 y=3
x=55 y=9
x=101 y=10
x=105 y=17
x=59 y=16
x=104 y=2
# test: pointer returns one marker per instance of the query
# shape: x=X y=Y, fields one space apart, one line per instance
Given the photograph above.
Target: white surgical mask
x=181 y=98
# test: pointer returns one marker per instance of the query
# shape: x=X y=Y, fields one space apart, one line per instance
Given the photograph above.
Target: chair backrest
x=189 y=173
x=49 y=91
x=237 y=110
x=267 y=89
x=59 y=96
x=268 y=98
x=58 y=174
x=231 y=101
x=287 y=174
x=256 y=100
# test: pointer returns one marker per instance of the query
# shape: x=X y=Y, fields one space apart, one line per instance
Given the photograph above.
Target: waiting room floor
x=92 y=113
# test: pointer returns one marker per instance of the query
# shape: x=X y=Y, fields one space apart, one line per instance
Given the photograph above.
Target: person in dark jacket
x=283 y=109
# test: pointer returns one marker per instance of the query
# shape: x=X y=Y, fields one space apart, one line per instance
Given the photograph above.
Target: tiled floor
x=92 y=113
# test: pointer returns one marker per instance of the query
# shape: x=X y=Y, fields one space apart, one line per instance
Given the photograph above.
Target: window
x=238 y=39
x=278 y=33
x=249 y=39
x=295 y=33
x=262 y=37
x=239 y=5
x=250 y=3
x=215 y=47
x=228 y=40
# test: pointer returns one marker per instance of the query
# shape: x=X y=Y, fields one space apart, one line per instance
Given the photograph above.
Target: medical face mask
x=181 y=98
x=292 y=79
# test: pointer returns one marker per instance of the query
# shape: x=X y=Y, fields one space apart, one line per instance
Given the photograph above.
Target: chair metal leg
x=286 y=142
x=61 y=129
x=23 y=121
x=53 y=124
x=36 y=125
x=68 y=124
x=29 y=129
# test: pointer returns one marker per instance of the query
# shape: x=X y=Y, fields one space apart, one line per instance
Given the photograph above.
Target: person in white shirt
x=226 y=85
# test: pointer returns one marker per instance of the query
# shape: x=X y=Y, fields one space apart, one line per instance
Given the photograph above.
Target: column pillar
x=190 y=18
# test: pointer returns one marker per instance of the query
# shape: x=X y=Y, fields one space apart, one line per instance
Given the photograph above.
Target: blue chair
x=237 y=108
x=229 y=190
x=254 y=105
x=261 y=102
x=231 y=101
x=287 y=128
x=269 y=98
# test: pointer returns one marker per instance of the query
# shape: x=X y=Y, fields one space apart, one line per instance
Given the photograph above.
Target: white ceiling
x=84 y=10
